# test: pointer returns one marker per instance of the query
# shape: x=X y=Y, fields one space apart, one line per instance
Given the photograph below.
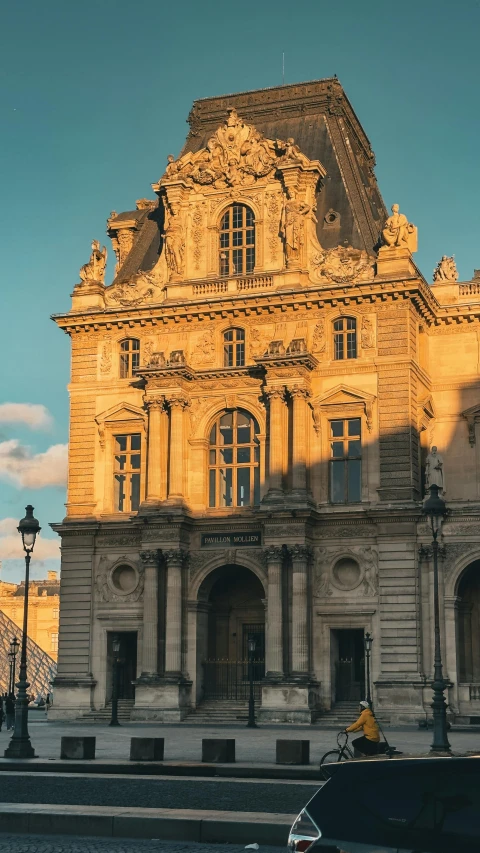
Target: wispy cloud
x=33 y=470
x=11 y=543
x=32 y=415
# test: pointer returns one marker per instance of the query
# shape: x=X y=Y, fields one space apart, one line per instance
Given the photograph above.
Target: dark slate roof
x=319 y=116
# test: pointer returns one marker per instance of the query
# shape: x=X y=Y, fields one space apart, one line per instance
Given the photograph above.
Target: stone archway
x=468 y=626
x=230 y=609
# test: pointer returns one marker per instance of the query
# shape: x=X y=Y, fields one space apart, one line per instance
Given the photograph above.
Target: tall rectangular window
x=54 y=642
x=127 y=472
x=344 y=338
x=345 y=461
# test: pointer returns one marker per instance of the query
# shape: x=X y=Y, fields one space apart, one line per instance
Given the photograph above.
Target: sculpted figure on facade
x=94 y=270
x=344 y=264
x=434 y=471
x=369 y=559
x=174 y=244
x=446 y=269
x=295 y=212
x=399 y=232
x=367 y=334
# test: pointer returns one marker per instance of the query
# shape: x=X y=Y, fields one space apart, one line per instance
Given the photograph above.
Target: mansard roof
x=320 y=118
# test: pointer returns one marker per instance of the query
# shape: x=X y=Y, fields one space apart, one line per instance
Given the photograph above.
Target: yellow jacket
x=368 y=723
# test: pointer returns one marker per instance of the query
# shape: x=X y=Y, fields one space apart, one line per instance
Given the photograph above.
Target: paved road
x=62 y=844
x=171 y=793
x=184 y=742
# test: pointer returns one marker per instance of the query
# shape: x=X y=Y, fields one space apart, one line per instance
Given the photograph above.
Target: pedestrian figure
x=10 y=710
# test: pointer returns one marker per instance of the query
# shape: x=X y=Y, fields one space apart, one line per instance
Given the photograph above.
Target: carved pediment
x=425 y=412
x=236 y=155
x=119 y=416
x=341 y=399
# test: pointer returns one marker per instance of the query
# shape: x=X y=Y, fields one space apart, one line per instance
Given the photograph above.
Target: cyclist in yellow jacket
x=368 y=743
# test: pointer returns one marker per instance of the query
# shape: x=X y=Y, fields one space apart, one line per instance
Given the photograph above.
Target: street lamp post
x=20 y=746
x=13 y=657
x=10 y=666
x=367 y=645
x=251 y=699
x=435 y=511
x=115 y=649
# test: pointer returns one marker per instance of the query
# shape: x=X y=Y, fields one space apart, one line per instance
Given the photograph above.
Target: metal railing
x=227 y=679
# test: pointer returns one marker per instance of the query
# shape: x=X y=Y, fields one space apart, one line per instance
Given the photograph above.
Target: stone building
x=254 y=401
x=43 y=610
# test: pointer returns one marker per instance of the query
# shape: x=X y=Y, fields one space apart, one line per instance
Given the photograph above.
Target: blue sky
x=93 y=97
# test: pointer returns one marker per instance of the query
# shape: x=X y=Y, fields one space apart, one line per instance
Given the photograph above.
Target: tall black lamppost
x=14 y=644
x=251 y=699
x=367 y=645
x=20 y=746
x=115 y=650
x=435 y=511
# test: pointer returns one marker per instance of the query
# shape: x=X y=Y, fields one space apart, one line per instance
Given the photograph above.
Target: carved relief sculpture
x=399 y=232
x=369 y=559
x=94 y=270
x=293 y=228
x=174 y=245
x=344 y=264
x=446 y=269
x=106 y=356
x=367 y=334
x=434 y=471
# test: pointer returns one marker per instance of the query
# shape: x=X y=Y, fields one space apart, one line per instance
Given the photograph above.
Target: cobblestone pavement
x=64 y=844
x=184 y=742
x=172 y=793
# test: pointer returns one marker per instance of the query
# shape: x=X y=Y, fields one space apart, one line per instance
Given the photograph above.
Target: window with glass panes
x=344 y=338
x=237 y=240
x=127 y=472
x=129 y=357
x=345 y=461
x=234 y=460
x=54 y=642
x=234 y=348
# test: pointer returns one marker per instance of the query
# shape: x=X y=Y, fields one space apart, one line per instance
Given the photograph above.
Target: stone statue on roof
x=446 y=269
x=398 y=232
x=94 y=270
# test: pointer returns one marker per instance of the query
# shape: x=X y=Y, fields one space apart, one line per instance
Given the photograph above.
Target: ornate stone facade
x=254 y=403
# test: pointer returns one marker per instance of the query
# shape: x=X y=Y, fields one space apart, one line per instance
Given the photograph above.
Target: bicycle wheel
x=331 y=757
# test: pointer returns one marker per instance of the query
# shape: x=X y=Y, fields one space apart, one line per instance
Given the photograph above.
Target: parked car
x=414 y=805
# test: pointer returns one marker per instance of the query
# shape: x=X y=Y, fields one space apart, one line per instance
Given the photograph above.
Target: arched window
x=234 y=460
x=237 y=240
x=234 y=348
x=129 y=357
x=344 y=338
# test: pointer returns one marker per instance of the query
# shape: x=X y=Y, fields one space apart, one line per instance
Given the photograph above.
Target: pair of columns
x=277 y=398
x=274 y=640
x=173 y=618
x=159 y=438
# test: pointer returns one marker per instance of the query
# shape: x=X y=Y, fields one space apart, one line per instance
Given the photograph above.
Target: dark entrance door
x=349 y=665
x=126 y=664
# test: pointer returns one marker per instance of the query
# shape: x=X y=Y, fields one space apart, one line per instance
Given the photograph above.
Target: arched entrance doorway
x=233 y=612
x=468 y=627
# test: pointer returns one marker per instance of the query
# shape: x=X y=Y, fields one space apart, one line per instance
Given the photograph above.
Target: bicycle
x=333 y=756
x=344 y=753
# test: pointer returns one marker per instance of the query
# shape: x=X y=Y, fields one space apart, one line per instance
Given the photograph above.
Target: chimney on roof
x=52 y=576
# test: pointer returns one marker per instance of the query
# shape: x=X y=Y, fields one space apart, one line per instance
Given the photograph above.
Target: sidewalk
x=183 y=743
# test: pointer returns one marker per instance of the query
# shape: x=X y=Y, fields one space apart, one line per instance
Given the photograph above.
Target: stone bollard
x=293 y=752
x=218 y=750
x=147 y=748
x=77 y=748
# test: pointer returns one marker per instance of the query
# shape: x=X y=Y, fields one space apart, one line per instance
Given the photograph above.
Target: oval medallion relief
x=124 y=579
x=346 y=574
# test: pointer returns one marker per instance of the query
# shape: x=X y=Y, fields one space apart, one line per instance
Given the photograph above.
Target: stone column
x=150 y=613
x=176 y=456
x=299 y=455
x=300 y=617
x=156 y=413
x=276 y=398
x=173 y=618
x=274 y=633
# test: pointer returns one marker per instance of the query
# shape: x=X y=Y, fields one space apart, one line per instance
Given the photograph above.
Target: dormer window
x=237 y=240
x=129 y=357
x=234 y=348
